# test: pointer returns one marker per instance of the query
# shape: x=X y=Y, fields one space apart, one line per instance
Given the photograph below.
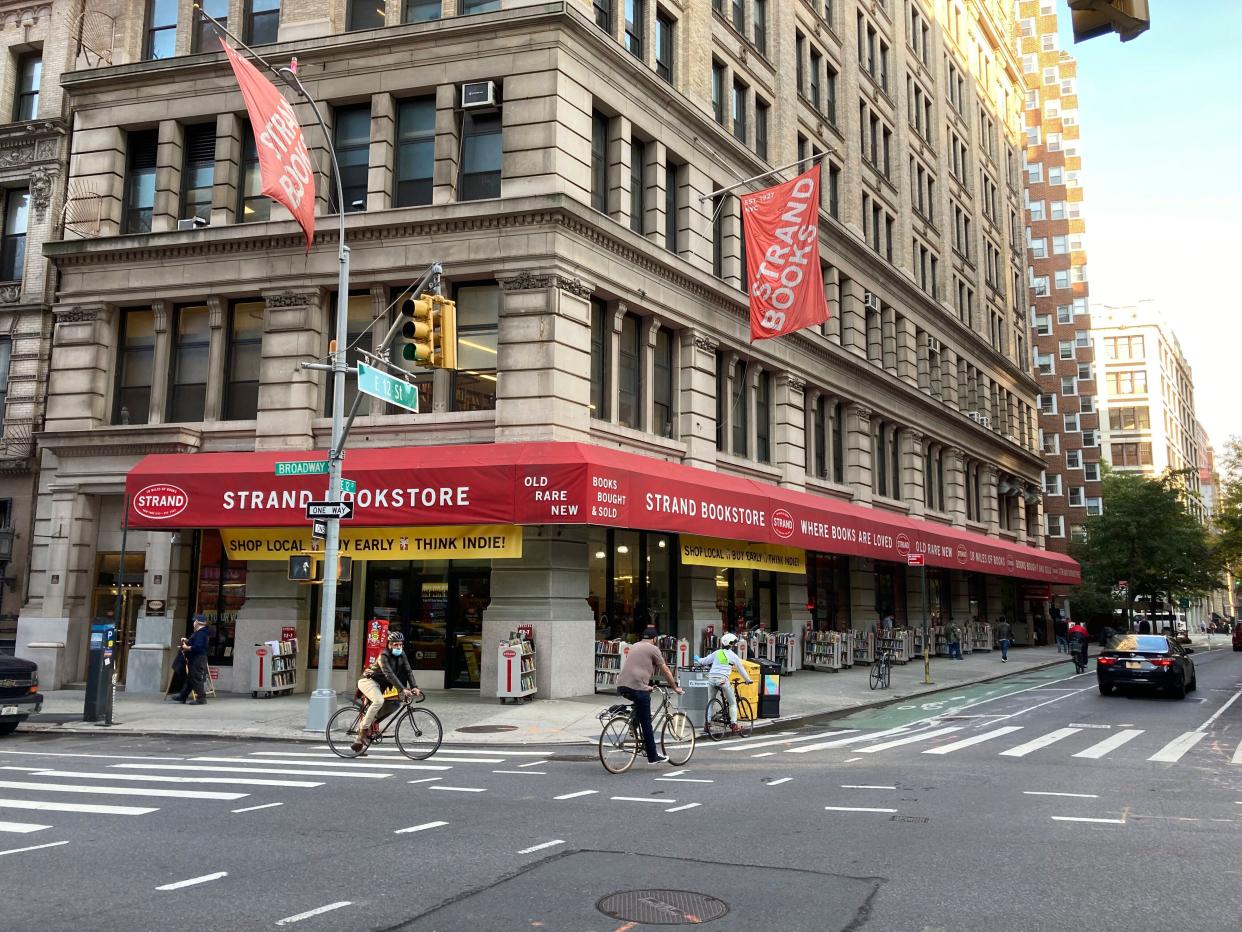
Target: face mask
x=396 y=651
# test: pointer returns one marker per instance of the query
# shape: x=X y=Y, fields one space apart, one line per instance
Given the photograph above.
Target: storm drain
x=485 y=729
x=908 y=818
x=662 y=907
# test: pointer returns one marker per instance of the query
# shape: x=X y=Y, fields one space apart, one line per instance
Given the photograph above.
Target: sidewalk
x=470 y=718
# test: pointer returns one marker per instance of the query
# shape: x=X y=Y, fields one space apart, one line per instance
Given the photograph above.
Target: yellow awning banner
x=710 y=551
x=454 y=542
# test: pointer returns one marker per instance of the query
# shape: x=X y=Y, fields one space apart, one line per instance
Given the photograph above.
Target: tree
x=1147 y=537
x=1228 y=516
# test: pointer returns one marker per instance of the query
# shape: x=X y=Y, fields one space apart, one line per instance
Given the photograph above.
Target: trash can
x=745 y=691
x=769 y=705
x=696 y=696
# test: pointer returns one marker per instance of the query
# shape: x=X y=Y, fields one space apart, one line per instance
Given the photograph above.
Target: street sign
x=388 y=388
x=319 y=529
x=342 y=510
x=915 y=559
x=349 y=485
x=302 y=468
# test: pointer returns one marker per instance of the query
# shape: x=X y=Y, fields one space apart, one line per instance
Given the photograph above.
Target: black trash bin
x=769 y=689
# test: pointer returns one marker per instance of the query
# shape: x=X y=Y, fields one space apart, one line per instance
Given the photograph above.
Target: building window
x=198 y=175
x=364 y=14
x=638 y=192
x=187 y=382
x=601 y=359
x=1054 y=525
x=662 y=391
x=262 y=21
x=1052 y=484
x=1076 y=496
x=1095 y=506
x=254 y=205
x=834 y=191
x=599 y=161
x=739 y=15
x=670 y=206
x=1131 y=455
x=421 y=11
x=29 y=73
x=13 y=246
x=1071 y=424
x=161 y=36
x=206 y=33
x=351 y=135
x=664 y=46
x=739 y=111
x=359 y=314
x=718 y=81
x=603 y=14
x=1073 y=459
x=481 y=153
x=634 y=27
x=241 y=390
x=763 y=418
x=760 y=13
x=416 y=155
x=140 y=182
x=722 y=397
x=741 y=411
x=762 y=111
x=629 y=377
x=478 y=316
x=1091 y=472
x=479 y=6
x=135 y=367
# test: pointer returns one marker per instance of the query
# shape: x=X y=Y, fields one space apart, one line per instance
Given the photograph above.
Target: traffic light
x=444 y=321
x=430 y=331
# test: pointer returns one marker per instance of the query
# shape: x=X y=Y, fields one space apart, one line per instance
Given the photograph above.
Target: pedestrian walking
x=1004 y=637
x=1060 y=628
x=953 y=634
x=197 y=672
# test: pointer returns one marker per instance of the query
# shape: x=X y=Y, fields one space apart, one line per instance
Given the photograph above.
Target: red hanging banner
x=781 y=225
x=284 y=164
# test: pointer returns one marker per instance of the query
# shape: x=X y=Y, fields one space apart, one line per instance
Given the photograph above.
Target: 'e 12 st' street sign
x=387 y=388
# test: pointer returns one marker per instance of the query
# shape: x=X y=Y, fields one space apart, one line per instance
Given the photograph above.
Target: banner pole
x=738 y=184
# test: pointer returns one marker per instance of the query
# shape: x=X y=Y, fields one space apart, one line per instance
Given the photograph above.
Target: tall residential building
x=613 y=436
x=1220 y=601
x=1057 y=262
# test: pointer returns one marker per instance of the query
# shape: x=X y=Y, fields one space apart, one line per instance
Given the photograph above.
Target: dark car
x=19 y=692
x=1237 y=635
x=1146 y=660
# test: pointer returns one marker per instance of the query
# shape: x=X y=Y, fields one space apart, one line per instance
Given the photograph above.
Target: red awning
x=556 y=483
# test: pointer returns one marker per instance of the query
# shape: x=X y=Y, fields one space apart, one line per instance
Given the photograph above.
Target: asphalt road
x=1029 y=803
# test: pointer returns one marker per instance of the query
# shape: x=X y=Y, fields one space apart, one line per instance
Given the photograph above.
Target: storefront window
x=939 y=597
x=340 y=629
x=890 y=593
x=632 y=582
x=828 y=591
x=220 y=594
x=746 y=600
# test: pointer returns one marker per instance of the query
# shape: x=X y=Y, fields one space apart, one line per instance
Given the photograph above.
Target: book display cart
x=275 y=668
x=515 y=669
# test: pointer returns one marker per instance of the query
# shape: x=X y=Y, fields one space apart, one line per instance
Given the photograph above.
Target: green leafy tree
x=1228 y=517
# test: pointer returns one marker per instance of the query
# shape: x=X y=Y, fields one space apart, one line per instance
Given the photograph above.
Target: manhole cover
x=908 y=818
x=662 y=907
x=485 y=729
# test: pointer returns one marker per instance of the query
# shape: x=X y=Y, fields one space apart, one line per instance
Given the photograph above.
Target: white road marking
x=297 y=773
x=1070 y=795
x=460 y=789
x=51 y=844
x=738 y=746
x=1237 y=755
x=289 y=920
x=376 y=754
x=1041 y=742
x=75 y=807
x=547 y=844
x=118 y=790
x=680 y=808
x=1172 y=752
x=536 y=773
x=676 y=773
x=1217 y=714
x=855 y=809
x=641 y=799
x=864 y=786
x=909 y=739
x=972 y=741
x=779 y=782
x=193 y=880
x=21 y=828
x=97 y=756
x=764 y=754
x=842 y=742
x=683 y=780
x=152 y=778
x=1087 y=725
x=425 y=780
x=254 y=808
x=534 y=763
x=577 y=794
x=347 y=763
x=1111 y=743
x=505 y=751
x=419 y=828
x=852 y=759
x=1066 y=818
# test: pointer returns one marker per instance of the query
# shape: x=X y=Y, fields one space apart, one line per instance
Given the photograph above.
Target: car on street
x=19 y=692
x=1151 y=660
x=1237 y=635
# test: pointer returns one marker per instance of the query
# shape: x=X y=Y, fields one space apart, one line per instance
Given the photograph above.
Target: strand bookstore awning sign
x=473 y=542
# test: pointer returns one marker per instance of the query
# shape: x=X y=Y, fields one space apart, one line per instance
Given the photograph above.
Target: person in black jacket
x=194 y=649
x=390 y=670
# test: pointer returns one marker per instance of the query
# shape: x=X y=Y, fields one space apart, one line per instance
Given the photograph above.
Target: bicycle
x=882 y=668
x=418 y=732
x=716 y=724
x=620 y=739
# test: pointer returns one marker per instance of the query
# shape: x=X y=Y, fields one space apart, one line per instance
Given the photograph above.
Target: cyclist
x=724 y=661
x=634 y=684
x=1078 y=639
x=390 y=669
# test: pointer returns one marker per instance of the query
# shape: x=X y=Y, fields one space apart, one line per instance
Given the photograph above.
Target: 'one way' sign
x=342 y=510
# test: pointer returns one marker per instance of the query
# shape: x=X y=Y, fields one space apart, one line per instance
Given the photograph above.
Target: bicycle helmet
x=728 y=640
x=396 y=637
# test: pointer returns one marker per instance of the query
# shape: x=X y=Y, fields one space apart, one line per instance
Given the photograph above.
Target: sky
x=1161 y=145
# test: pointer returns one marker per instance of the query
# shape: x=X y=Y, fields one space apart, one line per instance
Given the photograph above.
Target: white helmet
x=728 y=640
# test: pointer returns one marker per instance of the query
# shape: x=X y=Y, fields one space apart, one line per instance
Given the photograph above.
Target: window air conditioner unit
x=973 y=415
x=870 y=301
x=191 y=223
x=933 y=345
x=478 y=94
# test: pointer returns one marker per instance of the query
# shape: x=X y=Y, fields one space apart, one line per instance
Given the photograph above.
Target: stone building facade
x=601 y=303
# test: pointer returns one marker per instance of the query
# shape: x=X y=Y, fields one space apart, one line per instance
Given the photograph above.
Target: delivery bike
x=418 y=732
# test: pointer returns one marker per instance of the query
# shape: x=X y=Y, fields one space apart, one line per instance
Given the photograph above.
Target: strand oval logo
x=782 y=524
x=161 y=501
x=903 y=544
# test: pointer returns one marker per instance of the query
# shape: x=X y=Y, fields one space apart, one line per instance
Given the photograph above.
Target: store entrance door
x=470 y=593
x=111 y=581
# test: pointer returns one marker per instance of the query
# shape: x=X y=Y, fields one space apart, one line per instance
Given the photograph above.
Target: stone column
x=791 y=611
x=832 y=295
x=224 y=192
x=790 y=440
x=923 y=373
x=649 y=332
x=731 y=398
x=447 y=145
x=217 y=353
x=948 y=378
x=620 y=309
x=160 y=311
x=698 y=231
x=272 y=603
x=656 y=179
x=381 y=177
x=288 y=396
x=913 y=479
x=696 y=412
x=168 y=161
x=813 y=427
x=909 y=356
x=696 y=596
x=79 y=385
x=955 y=485
x=858 y=450
x=619 y=150
x=990 y=477
x=151 y=654
x=547 y=589
x=862 y=593
x=889 y=340
x=754 y=372
x=544 y=359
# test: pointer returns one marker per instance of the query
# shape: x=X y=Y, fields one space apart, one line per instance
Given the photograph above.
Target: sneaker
x=357 y=747
x=735 y=729
x=659 y=759
x=1004 y=660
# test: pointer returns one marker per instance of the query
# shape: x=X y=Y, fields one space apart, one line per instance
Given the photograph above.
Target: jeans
x=642 y=708
x=197 y=674
x=1004 y=646
x=1062 y=644
x=955 y=651
x=726 y=689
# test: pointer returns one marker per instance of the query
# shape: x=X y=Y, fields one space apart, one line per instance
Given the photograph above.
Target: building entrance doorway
x=116 y=584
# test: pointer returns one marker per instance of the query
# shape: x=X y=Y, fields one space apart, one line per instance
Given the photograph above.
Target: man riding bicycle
x=391 y=670
x=1078 y=638
x=723 y=662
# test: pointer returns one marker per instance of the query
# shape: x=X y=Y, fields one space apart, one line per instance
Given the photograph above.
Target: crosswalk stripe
x=1041 y=742
x=21 y=828
x=396 y=756
x=1237 y=755
x=1172 y=752
x=484 y=752
x=43 y=806
x=842 y=742
x=202 y=768
x=118 y=790
x=153 y=778
x=337 y=762
x=51 y=844
x=976 y=739
x=909 y=739
x=1111 y=743
x=737 y=746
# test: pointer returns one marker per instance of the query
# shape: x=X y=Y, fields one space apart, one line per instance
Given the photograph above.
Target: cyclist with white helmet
x=724 y=660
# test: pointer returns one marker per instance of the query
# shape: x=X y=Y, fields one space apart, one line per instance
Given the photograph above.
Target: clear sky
x=1162 y=178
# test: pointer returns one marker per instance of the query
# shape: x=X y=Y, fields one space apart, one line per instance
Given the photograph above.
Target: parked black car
x=1146 y=660
x=19 y=692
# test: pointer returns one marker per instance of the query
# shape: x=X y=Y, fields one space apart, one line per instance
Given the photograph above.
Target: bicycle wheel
x=677 y=738
x=618 y=745
x=887 y=671
x=342 y=731
x=745 y=716
x=877 y=673
x=419 y=733
x=717 y=721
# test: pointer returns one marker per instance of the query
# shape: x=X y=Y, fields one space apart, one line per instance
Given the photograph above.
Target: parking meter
x=99 y=673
